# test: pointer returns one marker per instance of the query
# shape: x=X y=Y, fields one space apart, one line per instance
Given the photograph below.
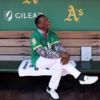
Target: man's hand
x=65 y=55
x=64 y=60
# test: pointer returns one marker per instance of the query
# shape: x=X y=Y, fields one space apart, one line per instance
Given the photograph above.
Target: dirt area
x=33 y=88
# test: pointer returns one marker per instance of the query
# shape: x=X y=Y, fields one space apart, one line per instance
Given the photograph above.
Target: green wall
x=83 y=14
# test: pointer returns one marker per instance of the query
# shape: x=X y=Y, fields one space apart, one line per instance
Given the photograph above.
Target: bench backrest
x=14 y=45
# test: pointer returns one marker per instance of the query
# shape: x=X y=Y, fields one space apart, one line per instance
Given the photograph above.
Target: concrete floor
x=34 y=88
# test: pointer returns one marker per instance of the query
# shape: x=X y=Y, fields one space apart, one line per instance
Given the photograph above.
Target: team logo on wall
x=74 y=14
x=28 y=2
x=8 y=15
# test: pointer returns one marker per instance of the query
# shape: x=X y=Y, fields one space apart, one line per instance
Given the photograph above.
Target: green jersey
x=37 y=40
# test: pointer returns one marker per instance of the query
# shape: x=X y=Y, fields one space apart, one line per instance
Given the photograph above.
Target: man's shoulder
x=34 y=34
x=52 y=32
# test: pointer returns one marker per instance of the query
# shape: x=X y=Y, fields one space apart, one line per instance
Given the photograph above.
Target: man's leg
x=56 y=76
x=83 y=79
x=56 y=67
x=64 y=72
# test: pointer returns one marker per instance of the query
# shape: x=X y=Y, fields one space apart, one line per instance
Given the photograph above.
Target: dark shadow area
x=13 y=87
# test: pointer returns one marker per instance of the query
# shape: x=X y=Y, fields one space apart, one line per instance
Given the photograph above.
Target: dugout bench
x=83 y=66
x=15 y=47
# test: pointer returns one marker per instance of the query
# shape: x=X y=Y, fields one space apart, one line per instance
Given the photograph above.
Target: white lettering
x=17 y=15
x=30 y=15
x=34 y=15
x=21 y=15
x=24 y=16
x=40 y=13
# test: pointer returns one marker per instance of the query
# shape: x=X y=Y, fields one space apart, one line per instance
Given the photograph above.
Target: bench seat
x=9 y=66
x=83 y=66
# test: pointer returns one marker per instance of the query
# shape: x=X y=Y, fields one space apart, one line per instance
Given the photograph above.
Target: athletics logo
x=8 y=15
x=28 y=1
x=74 y=14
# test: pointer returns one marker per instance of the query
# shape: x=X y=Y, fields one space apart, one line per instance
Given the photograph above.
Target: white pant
x=58 y=69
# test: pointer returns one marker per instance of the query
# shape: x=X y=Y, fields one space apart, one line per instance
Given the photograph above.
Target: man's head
x=42 y=22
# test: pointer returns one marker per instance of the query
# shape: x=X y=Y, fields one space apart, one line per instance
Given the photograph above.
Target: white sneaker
x=89 y=80
x=53 y=94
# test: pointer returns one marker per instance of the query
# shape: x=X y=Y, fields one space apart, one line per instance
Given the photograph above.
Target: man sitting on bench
x=47 y=52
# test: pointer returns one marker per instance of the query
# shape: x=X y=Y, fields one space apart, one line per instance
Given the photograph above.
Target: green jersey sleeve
x=35 y=42
x=55 y=38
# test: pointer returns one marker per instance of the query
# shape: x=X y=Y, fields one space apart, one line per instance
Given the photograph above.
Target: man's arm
x=59 y=48
x=52 y=54
x=65 y=57
x=47 y=53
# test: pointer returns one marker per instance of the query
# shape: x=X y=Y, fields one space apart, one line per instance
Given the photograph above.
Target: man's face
x=44 y=23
